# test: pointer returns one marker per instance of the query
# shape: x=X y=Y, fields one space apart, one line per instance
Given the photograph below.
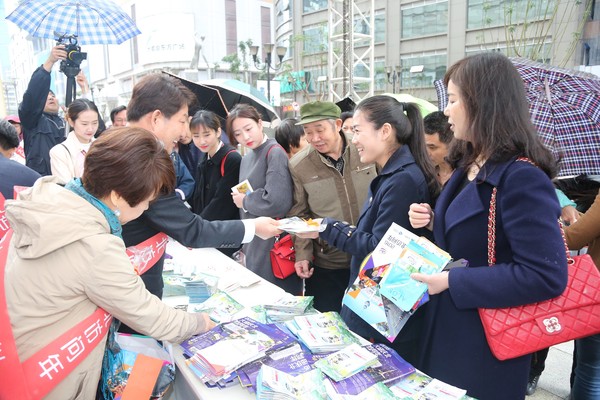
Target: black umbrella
x=221 y=95
x=346 y=104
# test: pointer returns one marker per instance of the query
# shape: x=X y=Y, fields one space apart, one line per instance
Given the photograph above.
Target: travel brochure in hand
x=383 y=294
x=243 y=187
x=300 y=225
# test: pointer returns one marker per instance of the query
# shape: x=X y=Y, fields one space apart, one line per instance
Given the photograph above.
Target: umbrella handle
x=547 y=89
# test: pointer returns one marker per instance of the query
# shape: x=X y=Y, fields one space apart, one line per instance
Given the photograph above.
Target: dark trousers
x=538 y=362
x=328 y=287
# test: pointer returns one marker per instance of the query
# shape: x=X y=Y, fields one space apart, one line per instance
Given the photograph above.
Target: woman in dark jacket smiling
x=390 y=134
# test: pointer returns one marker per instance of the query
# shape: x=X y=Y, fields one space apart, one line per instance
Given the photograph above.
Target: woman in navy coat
x=489 y=115
x=385 y=135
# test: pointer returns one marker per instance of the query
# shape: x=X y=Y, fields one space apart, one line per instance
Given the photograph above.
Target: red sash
x=4 y=227
x=39 y=374
x=143 y=256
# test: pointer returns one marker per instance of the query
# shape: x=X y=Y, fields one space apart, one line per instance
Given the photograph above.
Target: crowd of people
x=159 y=170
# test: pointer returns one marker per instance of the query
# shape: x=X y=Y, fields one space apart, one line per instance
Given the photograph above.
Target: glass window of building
x=314 y=39
x=361 y=76
x=314 y=5
x=380 y=75
x=284 y=11
x=421 y=71
x=361 y=25
x=380 y=26
x=420 y=19
x=487 y=13
x=540 y=52
x=311 y=76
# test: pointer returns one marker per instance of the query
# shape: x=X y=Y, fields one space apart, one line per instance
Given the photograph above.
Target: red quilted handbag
x=515 y=331
x=283 y=257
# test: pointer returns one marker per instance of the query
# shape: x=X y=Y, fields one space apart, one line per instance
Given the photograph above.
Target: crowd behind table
x=358 y=181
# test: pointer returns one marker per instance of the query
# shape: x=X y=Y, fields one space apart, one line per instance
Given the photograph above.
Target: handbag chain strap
x=491 y=246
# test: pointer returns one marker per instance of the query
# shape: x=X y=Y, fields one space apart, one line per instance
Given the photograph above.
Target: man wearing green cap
x=329 y=181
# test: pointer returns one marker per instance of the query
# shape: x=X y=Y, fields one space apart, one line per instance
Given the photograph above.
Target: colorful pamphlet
x=390 y=369
x=274 y=384
x=377 y=391
x=346 y=362
x=300 y=225
x=323 y=333
x=219 y=352
x=243 y=187
x=291 y=304
x=220 y=306
x=383 y=293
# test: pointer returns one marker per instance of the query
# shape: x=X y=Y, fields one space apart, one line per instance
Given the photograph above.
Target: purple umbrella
x=565 y=107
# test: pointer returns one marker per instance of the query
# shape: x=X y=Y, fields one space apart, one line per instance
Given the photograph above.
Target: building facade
x=335 y=48
x=415 y=41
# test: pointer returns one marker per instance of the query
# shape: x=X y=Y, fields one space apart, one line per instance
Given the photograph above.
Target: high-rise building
x=414 y=41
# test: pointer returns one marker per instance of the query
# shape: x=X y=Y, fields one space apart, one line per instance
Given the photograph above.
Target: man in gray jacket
x=329 y=181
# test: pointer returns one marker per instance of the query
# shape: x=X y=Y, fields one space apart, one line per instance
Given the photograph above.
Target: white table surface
x=187 y=385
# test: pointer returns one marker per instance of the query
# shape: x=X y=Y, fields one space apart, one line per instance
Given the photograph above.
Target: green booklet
x=346 y=362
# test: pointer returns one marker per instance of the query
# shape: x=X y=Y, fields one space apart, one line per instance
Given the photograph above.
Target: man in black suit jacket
x=159 y=103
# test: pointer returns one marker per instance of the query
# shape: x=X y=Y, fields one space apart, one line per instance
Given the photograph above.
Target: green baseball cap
x=318 y=110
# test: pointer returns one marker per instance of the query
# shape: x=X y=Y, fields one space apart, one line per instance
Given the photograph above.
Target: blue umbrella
x=91 y=21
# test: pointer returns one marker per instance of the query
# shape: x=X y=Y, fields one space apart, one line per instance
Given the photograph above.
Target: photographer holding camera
x=42 y=127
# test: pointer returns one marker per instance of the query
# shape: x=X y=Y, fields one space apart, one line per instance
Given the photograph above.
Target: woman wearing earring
x=66 y=158
x=217 y=172
x=68 y=262
x=496 y=147
x=266 y=168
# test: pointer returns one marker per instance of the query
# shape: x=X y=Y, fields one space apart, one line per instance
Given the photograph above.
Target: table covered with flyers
x=269 y=343
x=243 y=285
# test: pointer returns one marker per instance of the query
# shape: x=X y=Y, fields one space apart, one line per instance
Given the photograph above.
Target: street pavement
x=554 y=382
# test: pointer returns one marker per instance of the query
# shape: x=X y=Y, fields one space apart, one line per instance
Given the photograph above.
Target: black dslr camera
x=70 y=66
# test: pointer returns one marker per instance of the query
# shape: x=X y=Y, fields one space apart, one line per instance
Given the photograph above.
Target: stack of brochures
x=288 y=307
x=221 y=307
x=293 y=360
x=322 y=333
x=201 y=288
x=384 y=294
x=274 y=384
x=389 y=369
x=346 y=362
x=420 y=386
x=216 y=354
x=378 y=391
x=174 y=283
